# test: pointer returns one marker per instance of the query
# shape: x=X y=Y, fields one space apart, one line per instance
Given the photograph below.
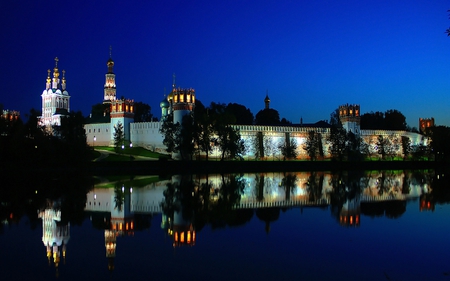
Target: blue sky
x=311 y=56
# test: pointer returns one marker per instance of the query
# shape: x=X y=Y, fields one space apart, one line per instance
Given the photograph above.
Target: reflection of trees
x=259 y=183
x=119 y=195
x=346 y=187
x=314 y=186
x=203 y=204
x=268 y=215
x=391 y=209
x=289 y=182
x=24 y=195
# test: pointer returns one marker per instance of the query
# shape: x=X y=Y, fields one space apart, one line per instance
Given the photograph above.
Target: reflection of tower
x=176 y=220
x=110 y=81
x=55 y=98
x=182 y=230
x=350 y=118
x=426 y=203
x=55 y=235
x=121 y=223
x=350 y=212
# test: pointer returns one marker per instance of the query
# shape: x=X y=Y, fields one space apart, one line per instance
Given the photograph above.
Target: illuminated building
x=55 y=99
x=425 y=123
x=11 y=115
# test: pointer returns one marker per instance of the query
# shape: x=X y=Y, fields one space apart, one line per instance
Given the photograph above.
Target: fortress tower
x=122 y=111
x=425 y=123
x=110 y=83
x=350 y=117
x=55 y=99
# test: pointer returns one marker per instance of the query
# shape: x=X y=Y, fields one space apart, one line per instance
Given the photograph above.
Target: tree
x=203 y=135
x=312 y=145
x=406 y=146
x=229 y=142
x=394 y=120
x=439 y=145
x=242 y=115
x=142 y=112
x=338 y=141
x=170 y=130
x=100 y=111
x=267 y=116
x=185 y=136
x=288 y=148
x=372 y=120
x=119 y=137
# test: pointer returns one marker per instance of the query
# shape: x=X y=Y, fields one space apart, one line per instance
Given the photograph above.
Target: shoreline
x=218 y=167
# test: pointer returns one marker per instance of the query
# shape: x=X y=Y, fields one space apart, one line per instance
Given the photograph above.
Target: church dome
x=164 y=103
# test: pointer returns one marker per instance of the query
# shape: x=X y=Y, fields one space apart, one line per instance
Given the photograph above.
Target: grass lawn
x=135 y=151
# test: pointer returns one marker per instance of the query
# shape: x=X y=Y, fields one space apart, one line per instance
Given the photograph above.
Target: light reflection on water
x=371 y=226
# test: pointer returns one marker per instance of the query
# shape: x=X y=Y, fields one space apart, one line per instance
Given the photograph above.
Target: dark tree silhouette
x=267 y=116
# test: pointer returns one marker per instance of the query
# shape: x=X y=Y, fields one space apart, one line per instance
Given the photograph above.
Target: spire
x=173 y=82
x=49 y=80
x=55 y=70
x=64 y=80
x=110 y=62
x=55 y=83
x=267 y=100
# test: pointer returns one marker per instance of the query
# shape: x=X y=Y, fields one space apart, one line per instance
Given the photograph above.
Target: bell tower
x=110 y=81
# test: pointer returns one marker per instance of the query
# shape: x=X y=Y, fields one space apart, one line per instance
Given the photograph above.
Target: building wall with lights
x=181 y=102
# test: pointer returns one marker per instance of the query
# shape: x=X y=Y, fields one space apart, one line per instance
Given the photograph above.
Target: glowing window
x=182 y=98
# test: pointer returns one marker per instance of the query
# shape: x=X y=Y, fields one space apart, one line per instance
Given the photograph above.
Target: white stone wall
x=147 y=135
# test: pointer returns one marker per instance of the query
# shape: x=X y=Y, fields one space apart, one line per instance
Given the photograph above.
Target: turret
x=122 y=111
x=350 y=117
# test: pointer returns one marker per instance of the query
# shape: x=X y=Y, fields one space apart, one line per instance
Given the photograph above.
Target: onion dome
x=164 y=103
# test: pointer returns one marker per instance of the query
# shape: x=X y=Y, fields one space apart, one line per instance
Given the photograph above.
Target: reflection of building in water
x=176 y=220
x=350 y=212
x=55 y=235
x=181 y=230
x=426 y=203
x=118 y=207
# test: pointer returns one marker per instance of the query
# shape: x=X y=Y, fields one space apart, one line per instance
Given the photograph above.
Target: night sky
x=311 y=56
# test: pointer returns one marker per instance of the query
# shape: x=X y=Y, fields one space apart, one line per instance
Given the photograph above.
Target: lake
x=373 y=225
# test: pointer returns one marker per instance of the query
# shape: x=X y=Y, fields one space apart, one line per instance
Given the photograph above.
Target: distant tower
x=350 y=117
x=55 y=99
x=110 y=83
x=425 y=123
x=122 y=111
x=267 y=100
